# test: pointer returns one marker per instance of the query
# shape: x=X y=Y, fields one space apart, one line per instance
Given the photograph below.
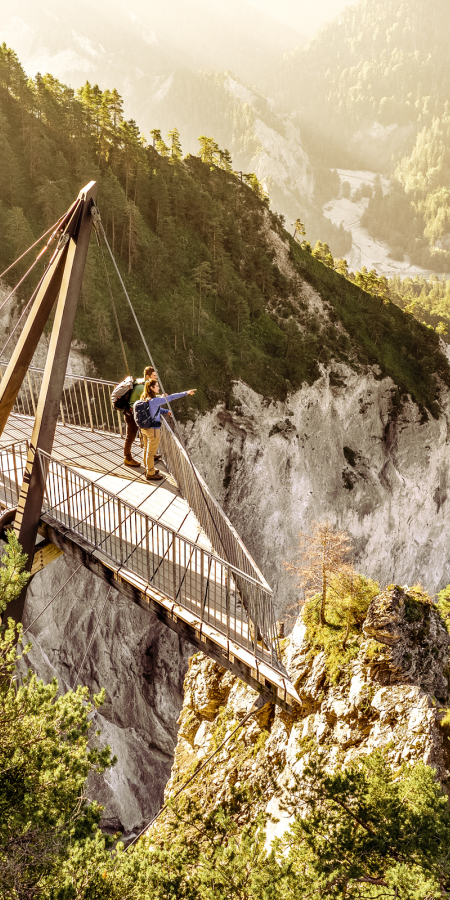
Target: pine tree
x=44 y=762
x=176 y=151
x=209 y=150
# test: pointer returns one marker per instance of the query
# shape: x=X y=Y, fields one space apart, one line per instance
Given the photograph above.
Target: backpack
x=122 y=393
x=142 y=416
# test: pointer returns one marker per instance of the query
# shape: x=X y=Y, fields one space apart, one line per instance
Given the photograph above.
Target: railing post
x=66 y=472
x=15 y=471
x=31 y=393
x=174 y=566
x=227 y=600
x=120 y=529
x=94 y=516
x=88 y=404
x=202 y=563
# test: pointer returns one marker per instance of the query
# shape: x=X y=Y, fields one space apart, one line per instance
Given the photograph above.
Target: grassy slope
x=175 y=223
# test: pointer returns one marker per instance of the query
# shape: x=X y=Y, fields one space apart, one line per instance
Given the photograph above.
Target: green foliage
x=355 y=831
x=366 y=831
x=340 y=636
x=44 y=763
x=12 y=575
x=427 y=299
x=378 y=331
x=168 y=219
x=443 y=605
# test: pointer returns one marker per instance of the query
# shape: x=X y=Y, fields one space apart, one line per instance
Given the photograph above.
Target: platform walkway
x=147 y=539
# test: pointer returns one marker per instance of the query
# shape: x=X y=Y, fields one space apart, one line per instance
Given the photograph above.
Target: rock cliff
x=390 y=697
x=108 y=642
x=338 y=449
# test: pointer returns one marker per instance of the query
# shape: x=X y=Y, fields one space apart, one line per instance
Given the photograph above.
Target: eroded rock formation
x=391 y=697
x=338 y=449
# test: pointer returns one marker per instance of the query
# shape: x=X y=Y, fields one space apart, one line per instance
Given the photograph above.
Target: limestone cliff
x=338 y=449
x=392 y=696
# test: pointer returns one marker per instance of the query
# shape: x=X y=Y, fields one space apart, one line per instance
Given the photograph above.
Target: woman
x=127 y=409
x=152 y=436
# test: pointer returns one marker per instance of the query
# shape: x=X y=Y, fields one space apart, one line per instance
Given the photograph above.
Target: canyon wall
x=338 y=449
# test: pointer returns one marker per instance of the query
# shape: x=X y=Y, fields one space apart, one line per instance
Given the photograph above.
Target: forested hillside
x=380 y=76
x=197 y=247
x=383 y=60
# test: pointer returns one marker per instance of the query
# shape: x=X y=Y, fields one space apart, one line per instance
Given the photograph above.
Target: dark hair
x=149 y=372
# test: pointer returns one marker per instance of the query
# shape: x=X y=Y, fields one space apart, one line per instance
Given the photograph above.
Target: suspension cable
x=53 y=598
x=194 y=776
x=52 y=228
x=100 y=247
x=98 y=222
x=23 y=277
x=24 y=311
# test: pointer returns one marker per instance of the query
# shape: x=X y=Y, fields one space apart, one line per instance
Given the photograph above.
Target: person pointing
x=147 y=413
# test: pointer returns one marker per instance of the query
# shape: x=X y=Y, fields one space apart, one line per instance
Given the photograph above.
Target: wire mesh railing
x=190 y=575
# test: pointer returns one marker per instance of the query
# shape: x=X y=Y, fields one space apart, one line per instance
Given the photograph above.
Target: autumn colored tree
x=322 y=555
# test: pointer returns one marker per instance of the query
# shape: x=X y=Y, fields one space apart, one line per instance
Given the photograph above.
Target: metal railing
x=86 y=402
x=191 y=576
x=211 y=516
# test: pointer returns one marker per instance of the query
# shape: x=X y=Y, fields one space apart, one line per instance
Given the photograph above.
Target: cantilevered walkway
x=166 y=545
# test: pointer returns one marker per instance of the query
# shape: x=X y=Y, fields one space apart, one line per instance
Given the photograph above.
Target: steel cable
x=52 y=228
x=100 y=224
x=53 y=598
x=92 y=639
x=194 y=776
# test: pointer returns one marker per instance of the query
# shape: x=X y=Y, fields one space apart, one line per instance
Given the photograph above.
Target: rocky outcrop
x=408 y=642
x=395 y=706
x=338 y=449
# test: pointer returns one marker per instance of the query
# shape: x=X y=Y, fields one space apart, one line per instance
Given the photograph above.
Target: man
x=125 y=402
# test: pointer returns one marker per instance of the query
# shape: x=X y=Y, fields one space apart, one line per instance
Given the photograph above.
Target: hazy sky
x=304 y=15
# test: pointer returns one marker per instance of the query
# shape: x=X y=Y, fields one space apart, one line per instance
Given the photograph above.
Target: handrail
x=86 y=403
x=187 y=573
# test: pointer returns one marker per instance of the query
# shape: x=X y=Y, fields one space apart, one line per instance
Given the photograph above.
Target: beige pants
x=151 y=443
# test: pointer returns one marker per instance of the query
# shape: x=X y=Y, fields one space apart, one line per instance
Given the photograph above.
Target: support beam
x=33 y=486
x=45 y=298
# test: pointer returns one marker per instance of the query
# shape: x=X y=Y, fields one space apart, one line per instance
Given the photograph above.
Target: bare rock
x=409 y=642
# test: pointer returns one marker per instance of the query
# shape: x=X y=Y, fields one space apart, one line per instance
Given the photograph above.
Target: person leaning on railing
x=152 y=435
x=132 y=428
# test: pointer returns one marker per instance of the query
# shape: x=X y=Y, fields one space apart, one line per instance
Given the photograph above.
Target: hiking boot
x=129 y=461
x=157 y=457
x=155 y=477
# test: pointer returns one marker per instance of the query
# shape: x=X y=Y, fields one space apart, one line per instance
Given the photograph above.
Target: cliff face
x=341 y=450
x=388 y=698
x=141 y=665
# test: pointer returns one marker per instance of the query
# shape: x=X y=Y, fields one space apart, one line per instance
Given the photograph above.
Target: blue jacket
x=157 y=402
